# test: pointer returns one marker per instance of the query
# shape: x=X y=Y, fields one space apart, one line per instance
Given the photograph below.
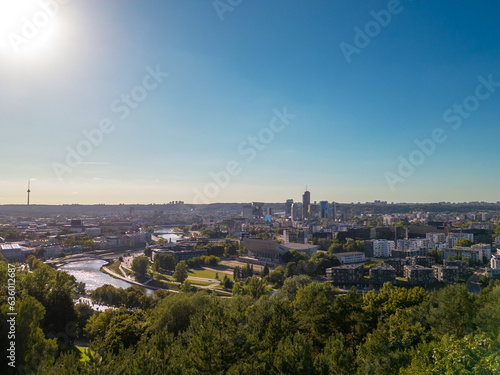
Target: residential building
x=381 y=274
x=379 y=248
x=436 y=238
x=398 y=264
x=418 y=275
x=462 y=265
x=396 y=253
x=477 y=253
x=452 y=238
x=424 y=261
x=445 y=274
x=346 y=274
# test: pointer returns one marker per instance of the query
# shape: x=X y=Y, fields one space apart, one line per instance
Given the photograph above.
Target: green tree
x=464 y=242
x=32 y=347
x=314 y=311
x=256 y=287
x=294 y=356
x=265 y=271
x=181 y=272
x=140 y=265
x=335 y=358
x=164 y=262
x=472 y=354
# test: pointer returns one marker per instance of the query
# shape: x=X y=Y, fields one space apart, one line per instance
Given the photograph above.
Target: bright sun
x=28 y=27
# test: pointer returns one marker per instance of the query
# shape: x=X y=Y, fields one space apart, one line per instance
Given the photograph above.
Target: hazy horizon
x=251 y=101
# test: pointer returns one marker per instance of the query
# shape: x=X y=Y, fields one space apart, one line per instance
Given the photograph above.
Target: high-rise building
x=306 y=201
x=296 y=211
x=288 y=208
x=314 y=210
x=324 y=209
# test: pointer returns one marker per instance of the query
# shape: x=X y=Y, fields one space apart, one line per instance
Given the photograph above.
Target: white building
x=436 y=238
x=382 y=248
x=352 y=257
x=452 y=238
x=414 y=243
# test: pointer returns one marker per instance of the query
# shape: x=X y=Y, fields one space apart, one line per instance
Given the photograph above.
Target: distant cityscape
x=414 y=244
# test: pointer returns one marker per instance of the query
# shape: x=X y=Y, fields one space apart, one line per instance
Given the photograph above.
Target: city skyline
x=125 y=103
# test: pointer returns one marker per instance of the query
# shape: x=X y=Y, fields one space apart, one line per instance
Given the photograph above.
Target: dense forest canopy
x=306 y=327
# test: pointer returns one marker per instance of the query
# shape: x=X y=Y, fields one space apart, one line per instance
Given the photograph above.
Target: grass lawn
x=115 y=267
x=207 y=274
x=164 y=284
x=203 y=283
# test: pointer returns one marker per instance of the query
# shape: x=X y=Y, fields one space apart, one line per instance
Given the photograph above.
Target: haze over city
x=147 y=102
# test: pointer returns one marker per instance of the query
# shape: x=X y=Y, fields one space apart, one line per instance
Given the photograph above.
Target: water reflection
x=88 y=272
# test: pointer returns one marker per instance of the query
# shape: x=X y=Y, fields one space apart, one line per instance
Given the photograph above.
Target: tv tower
x=29 y=191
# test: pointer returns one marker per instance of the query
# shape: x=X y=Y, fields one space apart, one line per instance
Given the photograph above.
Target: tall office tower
x=324 y=209
x=314 y=211
x=306 y=201
x=288 y=208
x=296 y=211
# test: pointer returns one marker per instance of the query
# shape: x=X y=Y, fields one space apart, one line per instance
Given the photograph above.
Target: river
x=88 y=271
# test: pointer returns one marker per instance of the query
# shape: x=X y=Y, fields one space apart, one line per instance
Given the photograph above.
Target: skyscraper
x=306 y=201
x=288 y=208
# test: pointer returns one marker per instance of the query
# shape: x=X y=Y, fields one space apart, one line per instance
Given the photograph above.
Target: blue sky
x=230 y=70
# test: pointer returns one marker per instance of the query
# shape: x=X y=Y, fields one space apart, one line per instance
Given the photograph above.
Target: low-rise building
x=14 y=252
x=424 y=261
x=397 y=253
x=418 y=275
x=352 y=257
x=462 y=265
x=381 y=274
x=444 y=274
x=268 y=250
x=181 y=254
x=398 y=264
x=346 y=274
x=477 y=253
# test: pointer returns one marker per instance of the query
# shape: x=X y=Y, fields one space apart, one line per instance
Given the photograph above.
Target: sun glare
x=28 y=28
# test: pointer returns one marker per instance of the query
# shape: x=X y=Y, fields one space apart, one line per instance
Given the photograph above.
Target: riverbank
x=115 y=275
